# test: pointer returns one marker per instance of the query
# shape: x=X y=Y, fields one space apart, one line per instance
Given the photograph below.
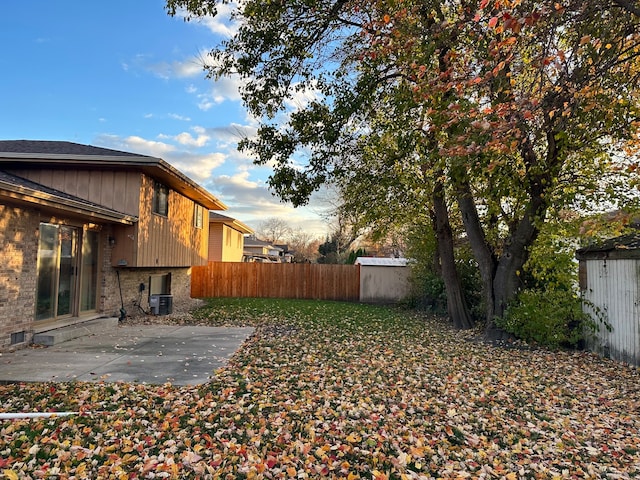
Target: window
x=198 y=214
x=160 y=199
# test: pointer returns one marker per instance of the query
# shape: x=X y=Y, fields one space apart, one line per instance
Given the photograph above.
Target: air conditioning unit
x=161 y=304
x=154 y=304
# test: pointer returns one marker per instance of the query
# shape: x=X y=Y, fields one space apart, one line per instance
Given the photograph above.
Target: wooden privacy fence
x=276 y=280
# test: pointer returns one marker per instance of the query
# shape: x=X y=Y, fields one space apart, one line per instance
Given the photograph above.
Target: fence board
x=276 y=280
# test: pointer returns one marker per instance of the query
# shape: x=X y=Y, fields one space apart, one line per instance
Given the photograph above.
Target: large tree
x=499 y=112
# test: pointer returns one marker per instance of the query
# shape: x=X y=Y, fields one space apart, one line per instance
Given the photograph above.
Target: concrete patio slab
x=152 y=354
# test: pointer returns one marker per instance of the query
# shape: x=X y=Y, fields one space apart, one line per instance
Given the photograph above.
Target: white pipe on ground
x=23 y=415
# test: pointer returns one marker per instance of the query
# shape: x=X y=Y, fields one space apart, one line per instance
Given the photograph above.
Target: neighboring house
x=287 y=256
x=260 y=249
x=88 y=232
x=383 y=280
x=610 y=285
x=226 y=238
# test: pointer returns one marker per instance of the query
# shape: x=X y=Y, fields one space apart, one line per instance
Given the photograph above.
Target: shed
x=383 y=280
x=610 y=286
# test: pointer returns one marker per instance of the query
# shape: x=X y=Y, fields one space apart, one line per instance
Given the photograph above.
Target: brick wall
x=129 y=284
x=18 y=268
x=19 y=231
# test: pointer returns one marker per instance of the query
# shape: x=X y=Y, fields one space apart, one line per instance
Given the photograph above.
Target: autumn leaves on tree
x=495 y=115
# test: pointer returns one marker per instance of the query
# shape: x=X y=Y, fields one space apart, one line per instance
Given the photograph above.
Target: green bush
x=549 y=317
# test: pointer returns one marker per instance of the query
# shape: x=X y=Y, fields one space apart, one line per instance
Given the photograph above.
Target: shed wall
x=383 y=284
x=613 y=291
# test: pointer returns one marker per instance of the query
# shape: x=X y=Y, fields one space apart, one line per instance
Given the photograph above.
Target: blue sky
x=122 y=74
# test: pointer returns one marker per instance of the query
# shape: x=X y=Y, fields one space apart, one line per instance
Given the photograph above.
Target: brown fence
x=276 y=280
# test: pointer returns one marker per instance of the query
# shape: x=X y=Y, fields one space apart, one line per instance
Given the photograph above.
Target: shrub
x=550 y=317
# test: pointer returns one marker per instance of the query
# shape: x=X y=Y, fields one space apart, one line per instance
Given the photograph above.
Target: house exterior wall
x=383 y=284
x=611 y=289
x=256 y=250
x=18 y=269
x=129 y=284
x=226 y=244
x=161 y=241
x=216 y=241
x=156 y=241
x=233 y=245
x=118 y=190
x=19 y=236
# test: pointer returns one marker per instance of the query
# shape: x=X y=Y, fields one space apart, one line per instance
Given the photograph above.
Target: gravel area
x=181 y=315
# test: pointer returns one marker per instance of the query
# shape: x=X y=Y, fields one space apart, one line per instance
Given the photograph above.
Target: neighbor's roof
x=250 y=242
x=39 y=153
x=231 y=222
x=625 y=246
x=381 y=262
x=22 y=190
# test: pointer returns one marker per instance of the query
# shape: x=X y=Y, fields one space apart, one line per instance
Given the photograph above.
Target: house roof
x=625 y=246
x=381 y=262
x=22 y=190
x=39 y=153
x=231 y=222
x=254 y=242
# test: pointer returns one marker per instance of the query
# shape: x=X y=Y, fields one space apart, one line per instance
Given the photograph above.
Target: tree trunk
x=456 y=303
x=482 y=252
x=500 y=277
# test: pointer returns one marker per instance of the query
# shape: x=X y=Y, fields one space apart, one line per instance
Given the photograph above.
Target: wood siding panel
x=108 y=185
x=225 y=243
x=276 y=280
x=158 y=241
x=171 y=241
x=116 y=190
x=234 y=241
x=95 y=188
x=215 y=242
x=71 y=182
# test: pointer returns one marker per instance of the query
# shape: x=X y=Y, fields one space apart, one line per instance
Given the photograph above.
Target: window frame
x=160 y=200
x=198 y=216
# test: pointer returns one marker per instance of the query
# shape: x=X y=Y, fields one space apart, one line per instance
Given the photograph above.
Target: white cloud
x=191 y=67
x=197 y=166
x=175 y=116
x=222 y=24
x=135 y=144
x=301 y=98
x=229 y=136
x=189 y=140
x=250 y=201
x=225 y=89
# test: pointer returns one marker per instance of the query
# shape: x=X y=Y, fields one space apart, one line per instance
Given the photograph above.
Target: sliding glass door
x=67 y=274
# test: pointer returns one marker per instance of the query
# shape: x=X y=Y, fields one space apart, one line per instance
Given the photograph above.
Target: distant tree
x=274 y=230
x=304 y=246
x=354 y=254
x=328 y=251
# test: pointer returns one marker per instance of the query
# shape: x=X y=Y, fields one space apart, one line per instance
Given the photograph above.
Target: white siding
x=614 y=290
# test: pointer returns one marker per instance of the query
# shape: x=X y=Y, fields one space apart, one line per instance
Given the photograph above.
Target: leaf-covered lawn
x=334 y=390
